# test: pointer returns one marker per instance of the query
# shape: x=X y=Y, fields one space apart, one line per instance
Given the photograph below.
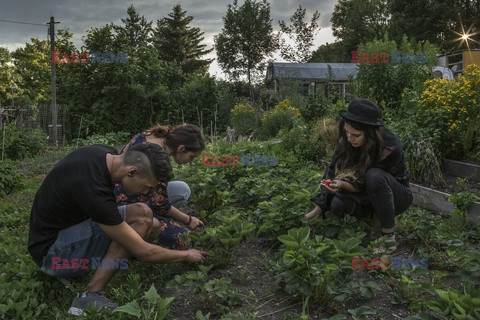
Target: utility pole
x=51 y=32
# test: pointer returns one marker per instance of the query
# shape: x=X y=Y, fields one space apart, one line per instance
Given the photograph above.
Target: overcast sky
x=79 y=16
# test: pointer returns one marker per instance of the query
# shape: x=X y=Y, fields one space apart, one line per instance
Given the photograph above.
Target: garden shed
x=457 y=61
x=314 y=77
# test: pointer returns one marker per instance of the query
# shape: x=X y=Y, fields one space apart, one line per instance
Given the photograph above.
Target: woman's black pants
x=386 y=196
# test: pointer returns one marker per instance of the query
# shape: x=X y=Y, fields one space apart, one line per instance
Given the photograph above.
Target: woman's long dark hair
x=358 y=159
x=188 y=135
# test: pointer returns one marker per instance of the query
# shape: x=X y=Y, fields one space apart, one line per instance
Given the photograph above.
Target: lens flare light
x=466 y=37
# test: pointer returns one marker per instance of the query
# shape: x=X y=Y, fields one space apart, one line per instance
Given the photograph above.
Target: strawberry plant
x=232 y=230
x=315 y=268
x=464 y=306
x=152 y=306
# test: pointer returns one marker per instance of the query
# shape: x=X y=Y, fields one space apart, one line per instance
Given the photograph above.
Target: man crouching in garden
x=75 y=216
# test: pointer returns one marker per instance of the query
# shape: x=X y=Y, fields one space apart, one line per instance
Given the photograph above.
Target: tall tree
x=421 y=19
x=246 y=40
x=330 y=52
x=176 y=41
x=7 y=78
x=301 y=33
x=467 y=21
x=32 y=65
x=136 y=32
x=359 y=21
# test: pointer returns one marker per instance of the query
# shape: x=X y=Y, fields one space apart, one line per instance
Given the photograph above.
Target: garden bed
x=437 y=201
x=251 y=273
x=462 y=169
x=457 y=177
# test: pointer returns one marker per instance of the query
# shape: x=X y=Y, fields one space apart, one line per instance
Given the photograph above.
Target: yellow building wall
x=471 y=57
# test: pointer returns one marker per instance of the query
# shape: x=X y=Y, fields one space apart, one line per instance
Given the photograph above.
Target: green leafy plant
x=362 y=312
x=243 y=118
x=219 y=295
x=281 y=118
x=304 y=146
x=152 y=306
x=116 y=139
x=232 y=230
x=464 y=306
x=464 y=199
x=10 y=178
x=21 y=143
x=191 y=277
x=410 y=292
x=316 y=268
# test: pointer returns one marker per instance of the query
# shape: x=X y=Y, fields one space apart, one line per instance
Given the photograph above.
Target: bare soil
x=271 y=304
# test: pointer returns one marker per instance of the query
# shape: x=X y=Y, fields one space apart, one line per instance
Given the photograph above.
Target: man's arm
x=146 y=252
x=185 y=218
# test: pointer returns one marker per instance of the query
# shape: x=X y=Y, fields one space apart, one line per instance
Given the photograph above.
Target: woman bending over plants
x=367 y=172
x=183 y=143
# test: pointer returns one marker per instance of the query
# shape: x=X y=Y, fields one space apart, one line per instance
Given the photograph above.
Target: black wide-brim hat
x=362 y=111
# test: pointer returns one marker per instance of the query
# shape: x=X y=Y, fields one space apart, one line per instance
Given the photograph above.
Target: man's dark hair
x=150 y=159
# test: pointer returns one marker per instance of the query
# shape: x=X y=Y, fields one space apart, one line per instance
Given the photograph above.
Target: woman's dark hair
x=188 y=135
x=359 y=159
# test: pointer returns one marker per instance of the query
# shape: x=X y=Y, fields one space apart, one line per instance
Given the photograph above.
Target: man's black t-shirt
x=78 y=188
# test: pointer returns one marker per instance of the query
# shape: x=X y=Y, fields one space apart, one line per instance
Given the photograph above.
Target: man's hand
x=196 y=256
x=195 y=223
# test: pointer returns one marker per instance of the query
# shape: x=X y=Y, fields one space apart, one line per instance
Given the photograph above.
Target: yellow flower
x=242 y=108
x=286 y=104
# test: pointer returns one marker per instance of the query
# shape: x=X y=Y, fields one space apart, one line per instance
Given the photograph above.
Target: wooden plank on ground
x=462 y=169
x=437 y=201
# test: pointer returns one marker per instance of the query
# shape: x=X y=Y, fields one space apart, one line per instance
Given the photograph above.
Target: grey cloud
x=80 y=16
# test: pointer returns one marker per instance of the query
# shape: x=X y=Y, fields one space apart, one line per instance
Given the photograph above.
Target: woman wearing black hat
x=367 y=173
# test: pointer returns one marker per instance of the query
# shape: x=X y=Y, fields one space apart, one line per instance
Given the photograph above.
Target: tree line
x=166 y=78
x=440 y=22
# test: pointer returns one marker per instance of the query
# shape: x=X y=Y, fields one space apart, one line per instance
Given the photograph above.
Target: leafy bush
x=10 y=178
x=326 y=129
x=303 y=144
x=21 y=143
x=116 y=139
x=283 y=116
x=384 y=83
x=421 y=155
x=319 y=268
x=243 y=118
x=452 y=108
x=286 y=104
